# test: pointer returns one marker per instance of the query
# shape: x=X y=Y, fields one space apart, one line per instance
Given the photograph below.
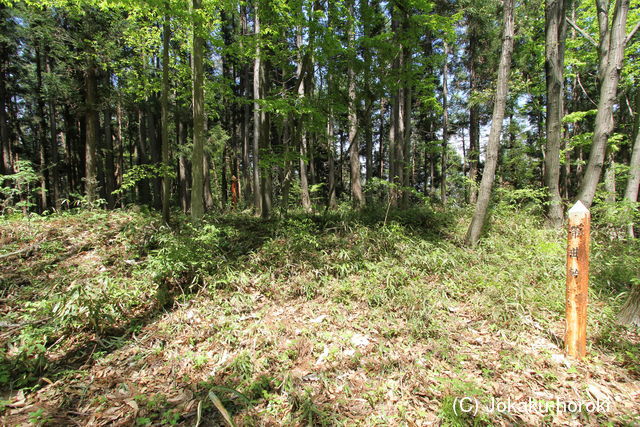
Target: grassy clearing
x=330 y=319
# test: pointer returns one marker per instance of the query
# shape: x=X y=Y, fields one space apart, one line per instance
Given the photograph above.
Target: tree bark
x=140 y=153
x=246 y=115
x=92 y=125
x=354 y=147
x=257 y=122
x=183 y=169
x=474 y=114
x=41 y=132
x=197 y=157
x=445 y=126
x=556 y=30
x=630 y=313
x=109 y=162
x=164 y=102
x=301 y=131
x=611 y=55
x=6 y=165
x=502 y=84
x=631 y=191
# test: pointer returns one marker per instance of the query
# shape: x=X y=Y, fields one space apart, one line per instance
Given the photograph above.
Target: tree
x=555 y=30
x=445 y=124
x=631 y=191
x=257 y=115
x=502 y=84
x=91 y=120
x=611 y=55
x=166 y=184
x=197 y=170
x=354 y=148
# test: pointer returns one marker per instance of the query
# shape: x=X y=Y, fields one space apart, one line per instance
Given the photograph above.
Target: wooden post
x=575 y=341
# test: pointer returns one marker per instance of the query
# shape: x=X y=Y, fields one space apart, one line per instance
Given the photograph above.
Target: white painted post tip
x=579 y=207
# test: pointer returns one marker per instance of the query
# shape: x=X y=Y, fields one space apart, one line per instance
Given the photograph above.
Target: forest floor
x=109 y=318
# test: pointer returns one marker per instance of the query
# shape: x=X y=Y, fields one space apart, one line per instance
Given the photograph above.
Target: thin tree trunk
x=611 y=55
x=91 y=143
x=41 y=133
x=54 y=173
x=154 y=147
x=354 y=147
x=140 y=153
x=197 y=157
x=445 y=125
x=164 y=102
x=631 y=191
x=183 y=170
x=610 y=178
x=474 y=116
x=207 y=167
x=556 y=30
x=266 y=179
x=502 y=84
x=301 y=131
x=380 y=168
x=246 y=115
x=109 y=163
x=6 y=165
x=120 y=149
x=257 y=122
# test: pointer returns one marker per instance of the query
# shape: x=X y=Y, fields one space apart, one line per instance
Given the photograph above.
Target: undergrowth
x=91 y=279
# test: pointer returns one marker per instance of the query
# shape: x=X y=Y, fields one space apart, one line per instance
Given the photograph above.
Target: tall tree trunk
x=611 y=55
x=109 y=162
x=407 y=94
x=164 y=101
x=474 y=114
x=445 y=125
x=288 y=167
x=154 y=147
x=366 y=13
x=208 y=165
x=380 y=168
x=301 y=131
x=332 y=200
x=556 y=30
x=197 y=157
x=257 y=122
x=183 y=169
x=6 y=164
x=354 y=147
x=246 y=113
x=120 y=145
x=631 y=191
x=610 y=178
x=41 y=133
x=140 y=153
x=265 y=178
x=502 y=84
x=54 y=173
x=92 y=126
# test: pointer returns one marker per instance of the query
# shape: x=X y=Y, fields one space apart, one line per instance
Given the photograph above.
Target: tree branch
x=632 y=33
x=582 y=32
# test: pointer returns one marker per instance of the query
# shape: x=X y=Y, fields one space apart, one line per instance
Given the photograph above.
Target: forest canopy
x=318 y=212
x=213 y=105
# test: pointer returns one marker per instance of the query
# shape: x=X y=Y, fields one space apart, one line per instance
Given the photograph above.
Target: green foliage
x=577 y=116
x=18 y=189
x=139 y=173
x=39 y=417
x=530 y=199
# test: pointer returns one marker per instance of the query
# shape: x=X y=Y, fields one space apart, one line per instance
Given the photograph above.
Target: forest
x=317 y=212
